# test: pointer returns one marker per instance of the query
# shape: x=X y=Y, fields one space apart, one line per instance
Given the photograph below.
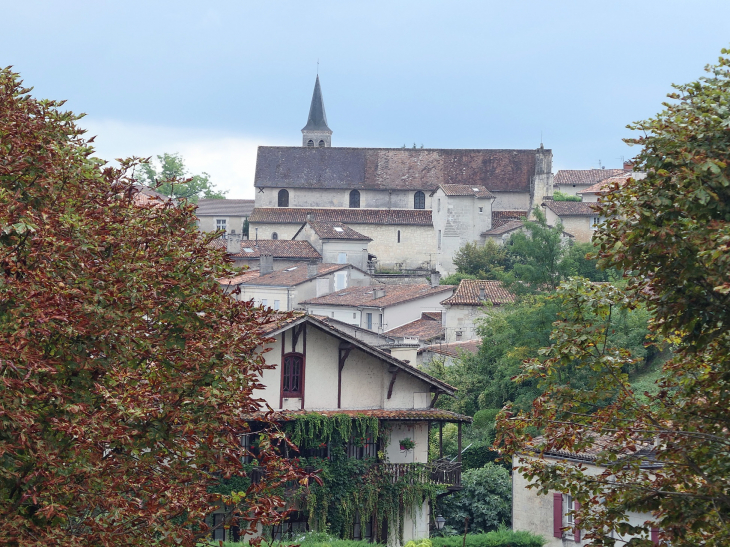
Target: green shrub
x=504 y=537
x=560 y=196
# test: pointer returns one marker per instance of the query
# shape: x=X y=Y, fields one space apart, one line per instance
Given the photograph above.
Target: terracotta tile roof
x=569 y=177
x=435 y=315
x=240 y=278
x=425 y=328
x=501 y=217
x=601 y=444
x=394 y=168
x=225 y=207
x=218 y=243
x=508 y=226
x=453 y=349
x=468 y=291
x=605 y=185
x=291 y=276
x=278 y=248
x=571 y=208
x=336 y=230
x=431 y=414
x=394 y=294
x=145 y=196
x=295 y=215
x=466 y=190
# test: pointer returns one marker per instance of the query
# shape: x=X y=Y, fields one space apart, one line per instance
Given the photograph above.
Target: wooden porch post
x=459 y=441
x=441 y=440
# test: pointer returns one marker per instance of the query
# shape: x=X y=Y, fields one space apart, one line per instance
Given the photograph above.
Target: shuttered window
x=293 y=375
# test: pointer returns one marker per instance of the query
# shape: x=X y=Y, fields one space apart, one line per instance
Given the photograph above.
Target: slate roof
x=425 y=328
x=466 y=190
x=394 y=294
x=467 y=293
x=508 y=226
x=278 y=248
x=227 y=207
x=289 y=277
x=422 y=414
x=453 y=349
x=317 y=120
x=571 y=208
x=336 y=230
x=568 y=177
x=393 y=168
x=296 y=215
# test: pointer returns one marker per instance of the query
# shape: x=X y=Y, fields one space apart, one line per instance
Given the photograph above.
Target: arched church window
x=274 y=235
x=283 y=198
x=310 y=143
x=419 y=200
x=321 y=144
x=355 y=199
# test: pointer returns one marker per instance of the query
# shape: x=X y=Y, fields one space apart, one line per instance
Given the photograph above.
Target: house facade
x=315 y=368
x=223 y=214
x=336 y=242
x=471 y=300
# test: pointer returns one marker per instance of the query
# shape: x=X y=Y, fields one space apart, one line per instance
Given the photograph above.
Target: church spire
x=317 y=132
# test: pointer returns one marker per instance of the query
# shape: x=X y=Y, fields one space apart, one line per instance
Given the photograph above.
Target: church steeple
x=317 y=132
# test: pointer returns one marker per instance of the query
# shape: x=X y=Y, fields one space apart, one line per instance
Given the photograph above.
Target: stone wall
x=340 y=197
x=208 y=223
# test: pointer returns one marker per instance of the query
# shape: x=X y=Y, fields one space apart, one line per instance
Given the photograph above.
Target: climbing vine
x=365 y=487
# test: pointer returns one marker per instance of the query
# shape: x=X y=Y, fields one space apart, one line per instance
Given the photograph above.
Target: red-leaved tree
x=125 y=373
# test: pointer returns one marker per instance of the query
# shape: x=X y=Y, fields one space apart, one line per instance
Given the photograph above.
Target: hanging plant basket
x=407 y=444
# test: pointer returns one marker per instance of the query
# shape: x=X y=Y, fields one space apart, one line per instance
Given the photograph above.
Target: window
x=362 y=531
x=355 y=199
x=220 y=224
x=246 y=444
x=595 y=221
x=274 y=235
x=292 y=375
x=340 y=281
x=419 y=200
x=321 y=144
x=568 y=506
x=362 y=448
x=354 y=315
x=439 y=239
x=264 y=302
x=219 y=532
x=292 y=527
x=438 y=205
x=481 y=209
x=369 y=321
x=310 y=143
x=380 y=321
x=277 y=303
x=283 y=198
x=342 y=258
x=398 y=236
x=459 y=334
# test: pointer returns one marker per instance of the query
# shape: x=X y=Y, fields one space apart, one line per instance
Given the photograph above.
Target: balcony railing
x=442 y=471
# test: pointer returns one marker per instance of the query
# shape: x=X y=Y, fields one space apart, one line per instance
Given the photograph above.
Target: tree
x=126 y=373
x=485 y=499
x=671 y=233
x=173 y=179
x=483 y=261
x=560 y=196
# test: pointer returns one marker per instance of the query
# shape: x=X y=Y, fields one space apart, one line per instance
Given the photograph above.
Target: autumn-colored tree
x=665 y=453
x=125 y=373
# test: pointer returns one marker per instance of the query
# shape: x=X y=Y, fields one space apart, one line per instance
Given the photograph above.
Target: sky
x=214 y=80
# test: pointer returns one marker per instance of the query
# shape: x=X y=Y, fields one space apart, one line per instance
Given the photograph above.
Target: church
x=419 y=206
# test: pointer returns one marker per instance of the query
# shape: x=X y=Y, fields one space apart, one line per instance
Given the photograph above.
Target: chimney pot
x=628 y=166
x=312 y=269
x=233 y=243
x=435 y=278
x=266 y=264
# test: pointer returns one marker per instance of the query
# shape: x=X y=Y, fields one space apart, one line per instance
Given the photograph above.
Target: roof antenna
x=317 y=67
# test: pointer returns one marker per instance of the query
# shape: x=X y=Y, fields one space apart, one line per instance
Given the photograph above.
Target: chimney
x=435 y=278
x=628 y=165
x=378 y=293
x=311 y=269
x=266 y=264
x=233 y=243
x=309 y=216
x=482 y=294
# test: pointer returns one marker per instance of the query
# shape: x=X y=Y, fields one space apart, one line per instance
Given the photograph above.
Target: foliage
x=126 y=373
x=172 y=179
x=581 y=262
x=486 y=500
x=671 y=233
x=407 y=444
x=503 y=537
x=245 y=228
x=486 y=261
x=561 y=196
x=455 y=278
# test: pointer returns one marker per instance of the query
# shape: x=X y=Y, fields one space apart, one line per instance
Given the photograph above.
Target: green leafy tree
x=126 y=372
x=671 y=233
x=173 y=179
x=482 y=261
x=485 y=499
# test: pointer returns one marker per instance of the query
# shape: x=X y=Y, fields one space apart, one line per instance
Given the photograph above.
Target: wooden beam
x=435 y=398
x=295 y=336
x=392 y=382
x=344 y=353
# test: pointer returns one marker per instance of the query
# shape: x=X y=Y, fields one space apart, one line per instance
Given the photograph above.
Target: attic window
x=247 y=250
x=475 y=189
x=338 y=229
x=291 y=269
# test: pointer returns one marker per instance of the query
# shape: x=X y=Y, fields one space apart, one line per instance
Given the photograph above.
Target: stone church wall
x=340 y=197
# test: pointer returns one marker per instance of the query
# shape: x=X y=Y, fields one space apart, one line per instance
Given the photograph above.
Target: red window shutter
x=576 y=529
x=557 y=515
x=655 y=536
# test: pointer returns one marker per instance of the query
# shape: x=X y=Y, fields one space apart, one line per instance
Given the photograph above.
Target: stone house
x=549 y=515
x=448 y=353
x=425 y=330
x=284 y=290
x=336 y=242
x=379 y=308
x=223 y=214
x=501 y=234
x=575 y=181
x=578 y=217
x=471 y=301
x=316 y=368
x=284 y=253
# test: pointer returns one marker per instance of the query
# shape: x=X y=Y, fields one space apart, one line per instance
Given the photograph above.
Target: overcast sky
x=213 y=80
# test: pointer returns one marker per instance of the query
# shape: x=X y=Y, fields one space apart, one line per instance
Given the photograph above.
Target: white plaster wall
x=356 y=251
x=418 y=433
x=283 y=231
x=462 y=319
x=260 y=292
x=579 y=227
x=207 y=223
x=398 y=315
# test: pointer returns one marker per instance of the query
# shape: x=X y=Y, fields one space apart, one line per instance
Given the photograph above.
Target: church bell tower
x=317 y=133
